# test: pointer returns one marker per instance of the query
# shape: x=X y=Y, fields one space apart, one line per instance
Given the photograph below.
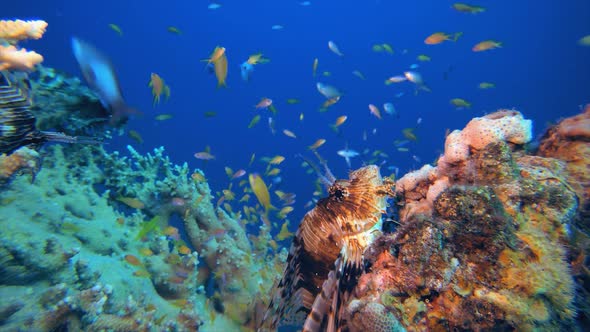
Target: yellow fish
x=317 y=144
x=260 y=190
x=315 y=66
x=284 y=211
x=254 y=121
x=257 y=58
x=158 y=88
x=116 y=28
x=284 y=233
x=289 y=133
x=221 y=70
x=163 y=117
x=486 y=85
x=276 y=160
x=136 y=136
x=460 y=103
x=409 y=134
x=387 y=48
x=174 y=30
x=423 y=57
x=131 y=202
x=273 y=172
x=217 y=53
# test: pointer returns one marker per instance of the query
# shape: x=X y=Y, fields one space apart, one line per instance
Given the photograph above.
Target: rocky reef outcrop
x=484 y=239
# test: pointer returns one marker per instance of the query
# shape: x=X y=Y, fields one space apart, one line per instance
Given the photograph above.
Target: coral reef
x=12 y=58
x=77 y=261
x=482 y=239
x=62 y=103
x=569 y=140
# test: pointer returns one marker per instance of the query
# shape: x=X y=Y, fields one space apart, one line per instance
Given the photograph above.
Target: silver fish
x=100 y=75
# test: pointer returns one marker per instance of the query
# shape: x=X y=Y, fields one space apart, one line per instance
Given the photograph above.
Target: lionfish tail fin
x=322 y=308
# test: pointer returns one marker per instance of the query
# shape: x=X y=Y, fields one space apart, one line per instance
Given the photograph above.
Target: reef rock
x=482 y=239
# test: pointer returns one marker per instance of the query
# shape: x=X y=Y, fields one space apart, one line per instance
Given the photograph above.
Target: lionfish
x=326 y=257
x=17 y=122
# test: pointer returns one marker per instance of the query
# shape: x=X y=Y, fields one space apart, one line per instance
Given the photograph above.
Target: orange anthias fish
x=218 y=52
x=486 y=45
x=375 y=111
x=158 y=87
x=439 y=37
x=317 y=144
x=263 y=103
x=221 y=70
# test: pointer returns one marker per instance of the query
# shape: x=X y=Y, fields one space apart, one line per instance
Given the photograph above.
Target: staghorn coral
x=482 y=238
x=12 y=58
x=15 y=30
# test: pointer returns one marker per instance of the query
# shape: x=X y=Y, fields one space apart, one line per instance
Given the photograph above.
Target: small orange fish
x=184 y=250
x=158 y=88
x=204 y=155
x=289 y=133
x=330 y=102
x=284 y=233
x=217 y=53
x=260 y=190
x=141 y=273
x=238 y=174
x=263 y=103
x=131 y=202
x=375 y=111
x=486 y=45
x=276 y=160
x=220 y=67
x=133 y=260
x=317 y=144
x=439 y=37
x=146 y=252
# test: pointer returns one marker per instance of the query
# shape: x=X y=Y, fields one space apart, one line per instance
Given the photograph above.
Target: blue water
x=540 y=70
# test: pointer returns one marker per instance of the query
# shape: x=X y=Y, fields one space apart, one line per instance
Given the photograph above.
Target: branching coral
x=12 y=58
x=16 y=30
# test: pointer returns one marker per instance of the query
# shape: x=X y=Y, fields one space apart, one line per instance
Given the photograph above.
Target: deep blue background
x=540 y=70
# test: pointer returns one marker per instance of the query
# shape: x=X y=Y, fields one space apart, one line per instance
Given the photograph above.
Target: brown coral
x=23 y=159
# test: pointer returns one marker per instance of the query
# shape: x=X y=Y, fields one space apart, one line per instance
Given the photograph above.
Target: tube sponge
x=11 y=32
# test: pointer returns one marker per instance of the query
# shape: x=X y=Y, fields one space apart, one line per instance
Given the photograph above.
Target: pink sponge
x=503 y=125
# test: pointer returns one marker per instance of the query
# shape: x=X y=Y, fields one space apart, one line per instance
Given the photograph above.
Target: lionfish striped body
x=326 y=257
x=17 y=122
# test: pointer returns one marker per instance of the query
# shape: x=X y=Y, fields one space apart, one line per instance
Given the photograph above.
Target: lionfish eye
x=338 y=192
